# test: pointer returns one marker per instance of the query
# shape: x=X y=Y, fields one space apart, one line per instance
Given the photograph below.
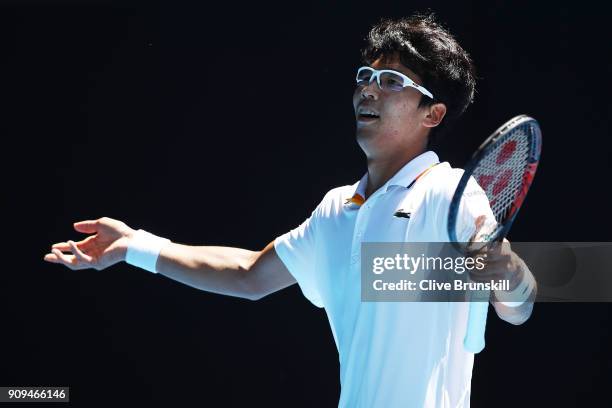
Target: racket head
x=504 y=166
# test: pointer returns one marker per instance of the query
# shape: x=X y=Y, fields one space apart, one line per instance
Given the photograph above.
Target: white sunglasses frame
x=407 y=81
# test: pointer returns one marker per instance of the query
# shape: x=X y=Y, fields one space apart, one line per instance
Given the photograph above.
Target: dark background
x=226 y=124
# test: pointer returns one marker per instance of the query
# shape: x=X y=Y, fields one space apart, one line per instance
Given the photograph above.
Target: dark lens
x=391 y=81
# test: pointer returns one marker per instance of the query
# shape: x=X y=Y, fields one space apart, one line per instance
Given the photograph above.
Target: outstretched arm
x=225 y=270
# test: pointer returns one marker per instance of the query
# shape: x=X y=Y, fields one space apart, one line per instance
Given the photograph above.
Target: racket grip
x=474 y=340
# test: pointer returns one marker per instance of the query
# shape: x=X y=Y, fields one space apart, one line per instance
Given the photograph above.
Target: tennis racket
x=504 y=167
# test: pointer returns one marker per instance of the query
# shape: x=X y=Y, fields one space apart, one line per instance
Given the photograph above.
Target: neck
x=380 y=170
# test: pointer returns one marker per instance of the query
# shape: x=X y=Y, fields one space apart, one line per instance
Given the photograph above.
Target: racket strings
x=500 y=172
x=514 y=169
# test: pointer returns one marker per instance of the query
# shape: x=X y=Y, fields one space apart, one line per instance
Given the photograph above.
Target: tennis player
x=415 y=80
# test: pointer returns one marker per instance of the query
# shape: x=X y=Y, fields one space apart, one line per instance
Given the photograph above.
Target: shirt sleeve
x=475 y=216
x=474 y=213
x=297 y=250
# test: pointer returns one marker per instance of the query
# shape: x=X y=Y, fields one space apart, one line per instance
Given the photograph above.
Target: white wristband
x=521 y=293
x=143 y=250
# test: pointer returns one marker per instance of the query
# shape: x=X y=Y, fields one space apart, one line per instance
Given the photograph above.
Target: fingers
x=71 y=261
x=80 y=255
x=62 y=246
x=83 y=244
x=67 y=260
x=51 y=258
x=87 y=227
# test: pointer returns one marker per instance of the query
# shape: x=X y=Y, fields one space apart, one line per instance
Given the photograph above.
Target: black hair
x=430 y=51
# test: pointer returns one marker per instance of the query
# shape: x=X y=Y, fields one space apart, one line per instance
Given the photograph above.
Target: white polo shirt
x=392 y=354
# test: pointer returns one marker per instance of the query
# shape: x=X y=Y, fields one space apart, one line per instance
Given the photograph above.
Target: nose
x=370 y=90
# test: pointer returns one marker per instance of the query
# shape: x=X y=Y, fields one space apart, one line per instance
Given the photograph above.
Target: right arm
x=225 y=270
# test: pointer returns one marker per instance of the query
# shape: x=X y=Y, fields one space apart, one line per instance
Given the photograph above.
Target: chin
x=369 y=132
x=365 y=132
x=365 y=140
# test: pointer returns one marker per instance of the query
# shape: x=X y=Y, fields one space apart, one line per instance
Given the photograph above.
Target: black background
x=226 y=124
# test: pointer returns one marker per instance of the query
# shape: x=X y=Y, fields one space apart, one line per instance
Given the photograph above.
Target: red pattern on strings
x=502 y=181
x=484 y=180
x=506 y=152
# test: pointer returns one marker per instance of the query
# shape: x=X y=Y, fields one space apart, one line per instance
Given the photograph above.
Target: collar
x=405 y=177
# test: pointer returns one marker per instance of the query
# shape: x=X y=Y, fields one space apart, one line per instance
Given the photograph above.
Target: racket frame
x=528 y=175
x=474 y=338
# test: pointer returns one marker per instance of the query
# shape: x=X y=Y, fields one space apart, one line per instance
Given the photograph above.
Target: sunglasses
x=388 y=80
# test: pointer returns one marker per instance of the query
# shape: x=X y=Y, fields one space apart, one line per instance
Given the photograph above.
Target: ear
x=435 y=114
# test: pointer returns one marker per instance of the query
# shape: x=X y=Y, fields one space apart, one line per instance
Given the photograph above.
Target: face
x=399 y=124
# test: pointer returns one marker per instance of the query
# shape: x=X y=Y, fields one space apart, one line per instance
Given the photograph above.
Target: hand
x=107 y=247
x=501 y=263
x=506 y=264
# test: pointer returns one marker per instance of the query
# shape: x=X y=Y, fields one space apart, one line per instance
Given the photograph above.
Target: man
x=392 y=354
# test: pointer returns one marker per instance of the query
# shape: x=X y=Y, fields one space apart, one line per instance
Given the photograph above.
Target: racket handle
x=474 y=340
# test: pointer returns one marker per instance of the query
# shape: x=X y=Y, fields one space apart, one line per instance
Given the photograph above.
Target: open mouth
x=367 y=117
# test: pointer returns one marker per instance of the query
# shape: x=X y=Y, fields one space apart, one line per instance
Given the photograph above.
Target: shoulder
x=439 y=186
x=440 y=183
x=334 y=200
